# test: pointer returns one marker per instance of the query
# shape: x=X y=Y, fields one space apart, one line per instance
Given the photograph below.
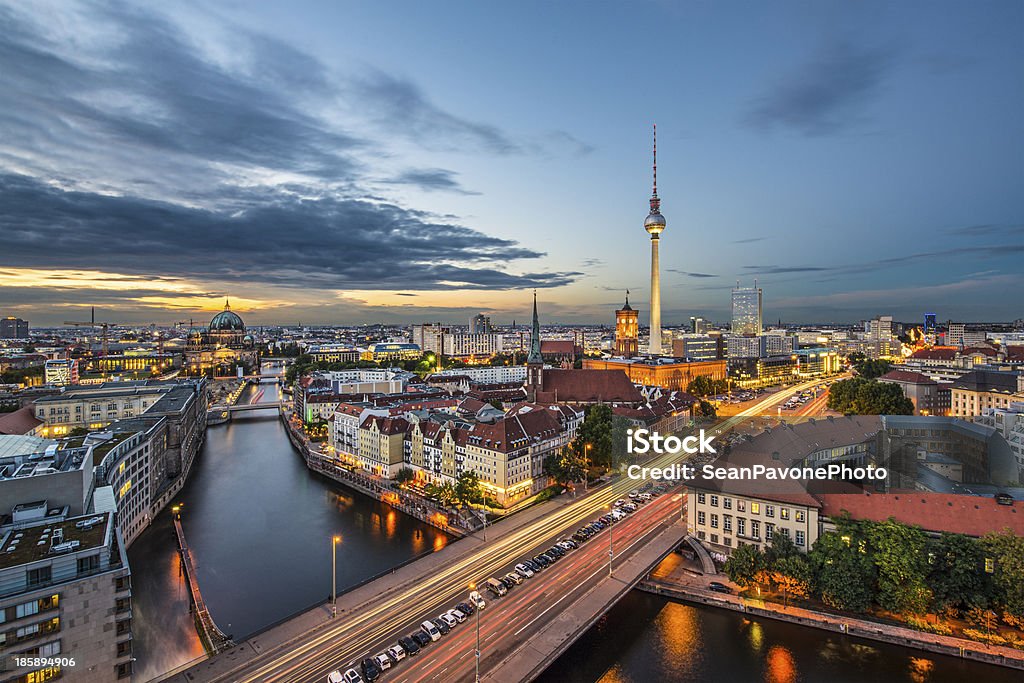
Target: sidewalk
x=681 y=582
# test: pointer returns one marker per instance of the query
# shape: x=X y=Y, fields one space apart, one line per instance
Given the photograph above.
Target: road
x=398 y=611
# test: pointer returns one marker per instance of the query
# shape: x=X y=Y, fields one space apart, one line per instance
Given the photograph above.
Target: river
x=260 y=525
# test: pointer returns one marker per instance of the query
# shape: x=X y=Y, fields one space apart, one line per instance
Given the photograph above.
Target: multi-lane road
x=399 y=607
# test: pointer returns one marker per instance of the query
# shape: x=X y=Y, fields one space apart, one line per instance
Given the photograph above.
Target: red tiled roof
x=557 y=346
x=907 y=377
x=936 y=353
x=21 y=421
x=969 y=515
x=983 y=350
x=588 y=386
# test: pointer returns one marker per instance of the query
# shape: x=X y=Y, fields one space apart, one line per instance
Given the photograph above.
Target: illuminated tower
x=654 y=224
x=534 y=361
x=627 y=329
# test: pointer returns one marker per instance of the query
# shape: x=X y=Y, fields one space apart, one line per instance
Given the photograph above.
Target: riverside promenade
x=673 y=579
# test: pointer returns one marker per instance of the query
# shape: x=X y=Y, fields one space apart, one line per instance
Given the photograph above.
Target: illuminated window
x=755 y=508
x=990 y=565
x=125 y=488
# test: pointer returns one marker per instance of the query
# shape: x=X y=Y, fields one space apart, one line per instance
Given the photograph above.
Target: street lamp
x=586 y=463
x=335 y=540
x=611 y=551
x=479 y=609
x=176 y=509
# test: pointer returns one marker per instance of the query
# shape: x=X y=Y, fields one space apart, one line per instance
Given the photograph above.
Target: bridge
x=521 y=633
x=214 y=640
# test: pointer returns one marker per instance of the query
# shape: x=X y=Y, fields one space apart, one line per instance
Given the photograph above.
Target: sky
x=353 y=162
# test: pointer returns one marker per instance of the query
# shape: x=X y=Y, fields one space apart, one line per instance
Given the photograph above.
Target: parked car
x=371 y=671
x=496 y=587
x=409 y=645
x=634 y=493
x=541 y=560
x=466 y=608
x=383 y=661
x=580 y=537
x=422 y=638
x=719 y=587
x=441 y=625
x=449 y=620
x=477 y=600
x=533 y=565
x=431 y=630
x=335 y=677
x=514 y=578
x=524 y=570
x=352 y=676
x=395 y=653
x=457 y=614
x=620 y=502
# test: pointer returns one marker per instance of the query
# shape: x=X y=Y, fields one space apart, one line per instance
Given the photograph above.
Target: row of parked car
x=431 y=630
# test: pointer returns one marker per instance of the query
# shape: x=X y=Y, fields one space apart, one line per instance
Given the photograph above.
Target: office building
x=480 y=324
x=746 y=311
x=979 y=390
x=699 y=325
x=955 y=334
x=698 y=347
x=13 y=328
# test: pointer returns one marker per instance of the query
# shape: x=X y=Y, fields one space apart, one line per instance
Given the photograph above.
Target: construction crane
x=105 y=327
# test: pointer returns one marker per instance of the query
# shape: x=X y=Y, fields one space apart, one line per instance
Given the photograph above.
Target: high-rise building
x=654 y=224
x=746 y=310
x=627 y=330
x=13 y=328
x=698 y=325
x=61 y=372
x=955 y=334
x=480 y=324
x=430 y=336
x=930 y=324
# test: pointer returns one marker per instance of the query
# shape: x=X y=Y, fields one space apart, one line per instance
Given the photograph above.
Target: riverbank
x=682 y=585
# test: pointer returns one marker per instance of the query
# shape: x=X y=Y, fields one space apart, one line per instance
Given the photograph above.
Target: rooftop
x=969 y=515
x=22 y=546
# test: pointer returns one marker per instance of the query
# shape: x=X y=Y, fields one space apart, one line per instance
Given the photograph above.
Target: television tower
x=654 y=224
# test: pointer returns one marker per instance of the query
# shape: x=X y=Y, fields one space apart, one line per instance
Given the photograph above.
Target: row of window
x=755 y=527
x=755 y=507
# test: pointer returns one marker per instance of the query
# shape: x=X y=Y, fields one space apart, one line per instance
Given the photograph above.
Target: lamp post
x=479 y=609
x=586 y=463
x=335 y=540
x=611 y=551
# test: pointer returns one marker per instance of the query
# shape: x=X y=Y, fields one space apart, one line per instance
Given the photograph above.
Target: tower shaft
x=655 y=342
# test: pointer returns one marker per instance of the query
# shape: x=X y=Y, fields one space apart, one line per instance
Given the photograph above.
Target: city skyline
x=160 y=161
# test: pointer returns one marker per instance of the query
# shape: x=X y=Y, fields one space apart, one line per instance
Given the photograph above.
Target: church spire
x=535 y=356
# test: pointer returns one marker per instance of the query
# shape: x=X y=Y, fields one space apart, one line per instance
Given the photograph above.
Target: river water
x=260 y=525
x=647 y=638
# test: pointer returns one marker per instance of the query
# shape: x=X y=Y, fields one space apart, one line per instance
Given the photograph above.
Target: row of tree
x=465 y=490
x=895 y=567
x=860 y=396
x=868 y=368
x=703 y=385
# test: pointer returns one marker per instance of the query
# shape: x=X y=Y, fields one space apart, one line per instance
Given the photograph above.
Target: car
x=514 y=578
x=477 y=600
x=409 y=646
x=524 y=570
x=600 y=524
x=541 y=560
x=555 y=552
x=630 y=507
x=352 y=676
x=466 y=608
x=549 y=557
x=383 y=661
x=644 y=497
x=371 y=671
x=509 y=585
x=719 y=587
x=496 y=587
x=634 y=493
x=441 y=625
x=530 y=564
x=647 y=486
x=607 y=519
x=457 y=614
x=422 y=638
x=449 y=620
x=395 y=653
x=431 y=630
x=580 y=537
x=618 y=514
x=620 y=502
x=568 y=544
x=335 y=677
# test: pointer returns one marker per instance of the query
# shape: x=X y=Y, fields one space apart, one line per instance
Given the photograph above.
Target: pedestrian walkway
x=706 y=563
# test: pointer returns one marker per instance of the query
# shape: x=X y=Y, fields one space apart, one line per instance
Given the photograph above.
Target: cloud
x=323 y=242
x=689 y=274
x=827 y=94
x=749 y=240
x=987 y=229
x=430 y=179
x=591 y=263
x=780 y=270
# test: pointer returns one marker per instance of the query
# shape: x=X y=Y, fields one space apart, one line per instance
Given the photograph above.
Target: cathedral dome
x=227 y=321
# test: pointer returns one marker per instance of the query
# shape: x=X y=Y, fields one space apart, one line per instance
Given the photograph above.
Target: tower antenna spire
x=655 y=167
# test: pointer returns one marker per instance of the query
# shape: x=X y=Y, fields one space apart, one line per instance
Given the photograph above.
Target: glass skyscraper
x=746 y=311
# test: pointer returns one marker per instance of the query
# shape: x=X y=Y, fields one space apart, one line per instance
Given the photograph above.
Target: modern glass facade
x=746 y=310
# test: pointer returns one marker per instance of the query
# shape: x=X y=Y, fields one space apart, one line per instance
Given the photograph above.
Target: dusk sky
x=341 y=162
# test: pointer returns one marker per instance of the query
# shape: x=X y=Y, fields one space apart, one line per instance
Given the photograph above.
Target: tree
x=706 y=410
x=870 y=369
x=467 y=487
x=861 y=396
x=899 y=553
x=957 y=579
x=792 y=574
x=845 y=576
x=1004 y=552
x=781 y=547
x=701 y=385
x=620 y=435
x=744 y=565
x=404 y=474
x=596 y=430
x=565 y=466
x=78 y=431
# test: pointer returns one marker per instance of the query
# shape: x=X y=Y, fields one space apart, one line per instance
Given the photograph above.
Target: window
x=49 y=649
x=727 y=522
x=27 y=631
x=755 y=528
x=714 y=538
x=88 y=565
x=700 y=535
x=741 y=526
x=769 y=510
x=38 y=577
x=714 y=500
x=799 y=515
x=768 y=529
x=700 y=517
x=990 y=565
x=727 y=541
x=784 y=513
x=700 y=497
x=714 y=521
x=755 y=508
x=741 y=506
x=27 y=609
x=727 y=503
x=800 y=538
